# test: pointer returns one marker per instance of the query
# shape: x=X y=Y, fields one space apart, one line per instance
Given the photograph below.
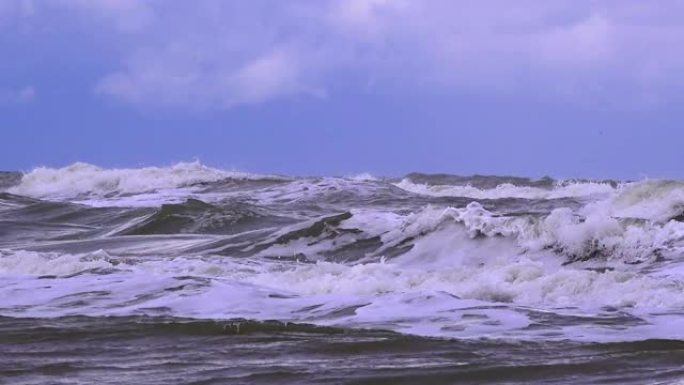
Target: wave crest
x=83 y=179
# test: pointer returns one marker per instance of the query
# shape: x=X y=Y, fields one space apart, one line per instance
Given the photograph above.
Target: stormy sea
x=189 y=274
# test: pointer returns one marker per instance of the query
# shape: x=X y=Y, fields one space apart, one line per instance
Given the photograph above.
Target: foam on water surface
x=589 y=261
x=507 y=190
x=83 y=180
x=450 y=296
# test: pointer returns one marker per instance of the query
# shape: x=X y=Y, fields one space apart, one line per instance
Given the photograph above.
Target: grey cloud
x=218 y=54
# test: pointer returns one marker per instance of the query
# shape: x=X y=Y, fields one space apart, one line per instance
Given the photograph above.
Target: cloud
x=199 y=83
x=274 y=74
x=212 y=54
x=17 y=96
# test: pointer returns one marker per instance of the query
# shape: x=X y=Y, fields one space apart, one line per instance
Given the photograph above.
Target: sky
x=561 y=88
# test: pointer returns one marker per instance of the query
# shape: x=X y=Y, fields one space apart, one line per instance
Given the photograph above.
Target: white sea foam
x=82 y=180
x=439 y=288
x=507 y=190
x=591 y=232
x=36 y=264
x=364 y=177
x=655 y=200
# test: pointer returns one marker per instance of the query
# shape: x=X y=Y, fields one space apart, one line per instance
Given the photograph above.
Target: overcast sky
x=563 y=88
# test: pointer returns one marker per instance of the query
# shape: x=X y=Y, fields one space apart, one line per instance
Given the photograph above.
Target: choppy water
x=189 y=274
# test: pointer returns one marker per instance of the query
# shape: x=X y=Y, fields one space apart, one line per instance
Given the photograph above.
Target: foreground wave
x=505 y=259
x=170 y=350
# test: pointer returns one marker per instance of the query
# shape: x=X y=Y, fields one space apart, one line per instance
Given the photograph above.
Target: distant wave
x=508 y=190
x=82 y=179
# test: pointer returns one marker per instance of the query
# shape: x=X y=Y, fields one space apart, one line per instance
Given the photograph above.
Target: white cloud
x=271 y=75
x=217 y=54
x=197 y=84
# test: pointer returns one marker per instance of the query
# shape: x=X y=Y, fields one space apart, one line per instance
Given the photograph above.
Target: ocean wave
x=33 y=263
x=585 y=235
x=508 y=190
x=364 y=177
x=479 y=290
x=83 y=180
x=520 y=281
x=449 y=256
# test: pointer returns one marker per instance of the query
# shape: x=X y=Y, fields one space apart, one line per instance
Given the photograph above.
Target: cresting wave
x=508 y=190
x=495 y=257
x=82 y=179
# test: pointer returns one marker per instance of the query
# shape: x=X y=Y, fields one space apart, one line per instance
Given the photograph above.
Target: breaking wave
x=508 y=190
x=440 y=255
x=82 y=179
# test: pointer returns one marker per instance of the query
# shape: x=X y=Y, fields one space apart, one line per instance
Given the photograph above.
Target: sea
x=189 y=274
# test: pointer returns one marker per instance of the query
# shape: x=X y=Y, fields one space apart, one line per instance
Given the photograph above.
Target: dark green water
x=143 y=350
